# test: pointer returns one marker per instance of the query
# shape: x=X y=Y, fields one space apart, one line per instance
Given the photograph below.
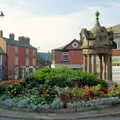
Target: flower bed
x=85 y=94
x=51 y=89
x=11 y=82
x=44 y=98
x=57 y=105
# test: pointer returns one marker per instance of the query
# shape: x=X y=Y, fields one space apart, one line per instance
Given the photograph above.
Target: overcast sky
x=54 y=23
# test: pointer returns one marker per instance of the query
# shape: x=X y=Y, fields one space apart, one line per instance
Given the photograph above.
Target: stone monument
x=96 y=46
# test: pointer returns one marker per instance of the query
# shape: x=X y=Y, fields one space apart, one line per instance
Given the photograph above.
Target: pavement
x=85 y=115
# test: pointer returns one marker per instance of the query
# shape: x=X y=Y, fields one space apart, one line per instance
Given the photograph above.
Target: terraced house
x=19 y=54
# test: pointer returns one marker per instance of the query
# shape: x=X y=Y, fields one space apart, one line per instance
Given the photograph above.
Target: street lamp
x=2 y=14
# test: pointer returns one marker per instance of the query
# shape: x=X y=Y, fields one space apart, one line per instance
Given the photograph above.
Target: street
x=100 y=118
x=105 y=118
x=2 y=118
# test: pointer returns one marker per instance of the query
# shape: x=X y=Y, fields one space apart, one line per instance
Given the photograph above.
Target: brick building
x=69 y=55
x=20 y=55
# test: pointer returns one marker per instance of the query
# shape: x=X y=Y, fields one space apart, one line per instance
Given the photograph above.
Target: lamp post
x=2 y=14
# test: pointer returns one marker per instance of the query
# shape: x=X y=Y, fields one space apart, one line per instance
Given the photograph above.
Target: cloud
x=47 y=32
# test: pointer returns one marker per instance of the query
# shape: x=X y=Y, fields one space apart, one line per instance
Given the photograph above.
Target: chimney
x=1 y=33
x=25 y=40
x=11 y=36
x=21 y=39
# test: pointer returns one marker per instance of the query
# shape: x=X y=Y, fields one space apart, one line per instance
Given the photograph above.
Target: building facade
x=116 y=53
x=21 y=56
x=69 y=55
x=77 y=57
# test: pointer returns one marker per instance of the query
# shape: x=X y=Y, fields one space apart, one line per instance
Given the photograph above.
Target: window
x=26 y=51
x=34 y=52
x=65 y=57
x=16 y=60
x=27 y=61
x=34 y=61
x=16 y=49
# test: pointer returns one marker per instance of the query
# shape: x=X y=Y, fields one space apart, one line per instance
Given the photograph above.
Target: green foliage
x=115 y=91
x=37 y=77
x=41 y=86
x=63 y=77
x=2 y=89
x=14 y=89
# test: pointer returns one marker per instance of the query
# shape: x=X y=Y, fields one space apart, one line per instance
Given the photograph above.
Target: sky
x=53 y=23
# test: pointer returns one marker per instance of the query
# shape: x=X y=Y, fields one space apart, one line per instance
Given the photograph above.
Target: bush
x=2 y=89
x=14 y=89
x=62 y=77
x=37 y=77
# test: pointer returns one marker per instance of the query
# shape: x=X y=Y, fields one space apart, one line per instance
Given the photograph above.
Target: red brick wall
x=21 y=56
x=31 y=57
x=11 y=57
x=57 y=56
x=116 y=52
x=75 y=57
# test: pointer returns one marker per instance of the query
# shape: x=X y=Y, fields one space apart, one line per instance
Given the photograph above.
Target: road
x=1 y=118
x=105 y=118
x=101 y=118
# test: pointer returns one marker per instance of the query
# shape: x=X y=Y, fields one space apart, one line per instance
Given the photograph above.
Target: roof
x=17 y=43
x=88 y=34
x=115 y=28
x=65 y=46
x=44 y=56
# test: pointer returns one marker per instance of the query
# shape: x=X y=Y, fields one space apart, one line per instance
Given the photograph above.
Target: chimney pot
x=11 y=36
x=1 y=33
x=25 y=40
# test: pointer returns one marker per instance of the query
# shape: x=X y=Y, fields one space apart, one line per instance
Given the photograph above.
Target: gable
x=74 y=44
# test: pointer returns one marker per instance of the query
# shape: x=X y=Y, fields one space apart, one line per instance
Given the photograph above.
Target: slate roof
x=65 y=46
x=115 y=28
x=44 y=56
x=17 y=43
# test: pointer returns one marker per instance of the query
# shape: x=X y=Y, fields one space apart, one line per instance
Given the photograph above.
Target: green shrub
x=37 y=77
x=2 y=89
x=14 y=89
x=62 y=77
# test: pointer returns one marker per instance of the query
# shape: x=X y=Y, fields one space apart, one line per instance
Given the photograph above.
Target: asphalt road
x=104 y=118
x=7 y=118
x=101 y=118
x=1 y=118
